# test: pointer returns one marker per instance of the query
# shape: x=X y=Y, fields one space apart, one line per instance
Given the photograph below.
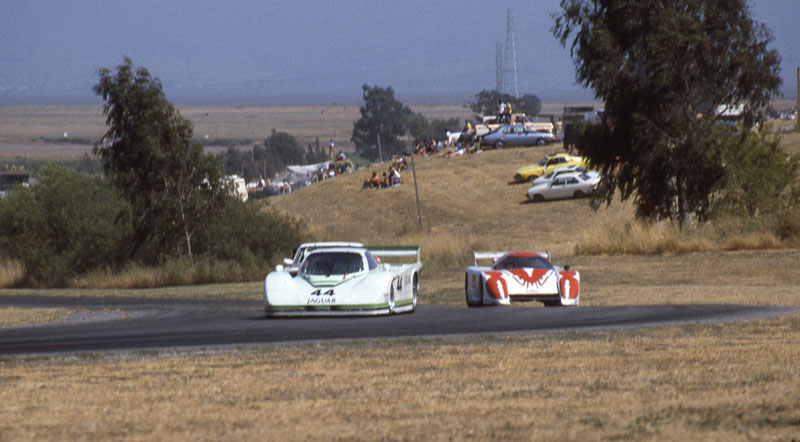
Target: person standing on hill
x=331 y=149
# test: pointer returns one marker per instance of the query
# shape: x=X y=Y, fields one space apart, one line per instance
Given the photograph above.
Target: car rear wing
x=494 y=255
x=396 y=251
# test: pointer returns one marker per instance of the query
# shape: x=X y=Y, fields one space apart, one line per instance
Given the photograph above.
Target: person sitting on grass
x=373 y=182
x=394 y=176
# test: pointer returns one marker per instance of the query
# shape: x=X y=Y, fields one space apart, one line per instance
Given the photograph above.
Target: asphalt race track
x=149 y=323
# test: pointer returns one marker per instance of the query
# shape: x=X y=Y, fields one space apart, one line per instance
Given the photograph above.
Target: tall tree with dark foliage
x=663 y=69
x=148 y=154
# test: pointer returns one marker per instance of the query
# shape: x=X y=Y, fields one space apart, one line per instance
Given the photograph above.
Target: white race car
x=346 y=281
x=520 y=276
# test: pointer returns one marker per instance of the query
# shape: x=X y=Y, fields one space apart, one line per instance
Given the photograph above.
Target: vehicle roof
x=524 y=254
x=332 y=244
x=338 y=250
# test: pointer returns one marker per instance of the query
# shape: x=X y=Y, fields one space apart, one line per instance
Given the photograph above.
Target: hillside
x=467 y=203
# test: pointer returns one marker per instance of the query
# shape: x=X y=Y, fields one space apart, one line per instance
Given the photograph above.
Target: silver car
x=557 y=173
x=516 y=135
x=569 y=185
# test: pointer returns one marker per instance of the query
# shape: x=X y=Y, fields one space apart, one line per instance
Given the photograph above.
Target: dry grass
x=722 y=382
x=178 y=272
x=10 y=273
x=465 y=199
x=615 y=237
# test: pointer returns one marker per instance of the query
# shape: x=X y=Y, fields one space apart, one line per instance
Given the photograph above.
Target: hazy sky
x=300 y=50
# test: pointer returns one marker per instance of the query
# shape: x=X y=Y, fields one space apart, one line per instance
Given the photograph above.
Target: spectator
x=394 y=176
x=418 y=149
x=373 y=182
x=341 y=156
x=507 y=113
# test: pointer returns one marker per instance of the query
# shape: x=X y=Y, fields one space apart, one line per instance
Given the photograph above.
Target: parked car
x=547 y=164
x=557 y=173
x=516 y=135
x=570 y=185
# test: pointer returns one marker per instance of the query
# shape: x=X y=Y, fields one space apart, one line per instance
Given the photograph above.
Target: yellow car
x=546 y=165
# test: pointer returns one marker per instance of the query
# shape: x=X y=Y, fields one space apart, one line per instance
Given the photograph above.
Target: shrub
x=64 y=226
x=249 y=236
x=760 y=181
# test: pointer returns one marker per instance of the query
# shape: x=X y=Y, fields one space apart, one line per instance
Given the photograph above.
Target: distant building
x=10 y=178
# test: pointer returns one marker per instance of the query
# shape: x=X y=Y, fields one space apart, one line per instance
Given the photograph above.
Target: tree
x=379 y=130
x=530 y=104
x=172 y=186
x=281 y=150
x=663 y=69
x=761 y=179
x=486 y=103
x=63 y=227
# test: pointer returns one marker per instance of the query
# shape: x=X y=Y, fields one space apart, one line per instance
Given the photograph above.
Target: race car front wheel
x=391 y=299
x=470 y=302
x=414 y=293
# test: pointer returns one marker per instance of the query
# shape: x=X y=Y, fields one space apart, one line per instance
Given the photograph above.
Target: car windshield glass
x=543 y=161
x=519 y=262
x=584 y=176
x=333 y=263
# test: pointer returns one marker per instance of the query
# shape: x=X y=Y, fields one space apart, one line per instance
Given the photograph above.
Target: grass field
x=736 y=381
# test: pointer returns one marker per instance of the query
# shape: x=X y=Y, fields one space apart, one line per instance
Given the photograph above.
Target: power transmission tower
x=510 y=61
x=498 y=56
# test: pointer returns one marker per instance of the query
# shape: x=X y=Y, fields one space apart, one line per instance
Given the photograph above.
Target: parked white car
x=571 y=185
x=557 y=173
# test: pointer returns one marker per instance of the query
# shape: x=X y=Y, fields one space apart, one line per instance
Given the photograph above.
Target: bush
x=64 y=226
x=249 y=236
x=70 y=228
x=760 y=181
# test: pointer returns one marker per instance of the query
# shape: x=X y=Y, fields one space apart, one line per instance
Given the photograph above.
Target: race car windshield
x=336 y=263
x=519 y=262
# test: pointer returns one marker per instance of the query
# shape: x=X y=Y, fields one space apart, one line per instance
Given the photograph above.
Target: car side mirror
x=287 y=261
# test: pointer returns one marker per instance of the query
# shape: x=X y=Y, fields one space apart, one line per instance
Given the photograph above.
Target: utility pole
x=416 y=189
x=797 y=105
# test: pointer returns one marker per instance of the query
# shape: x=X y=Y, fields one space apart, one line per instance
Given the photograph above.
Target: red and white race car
x=520 y=276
